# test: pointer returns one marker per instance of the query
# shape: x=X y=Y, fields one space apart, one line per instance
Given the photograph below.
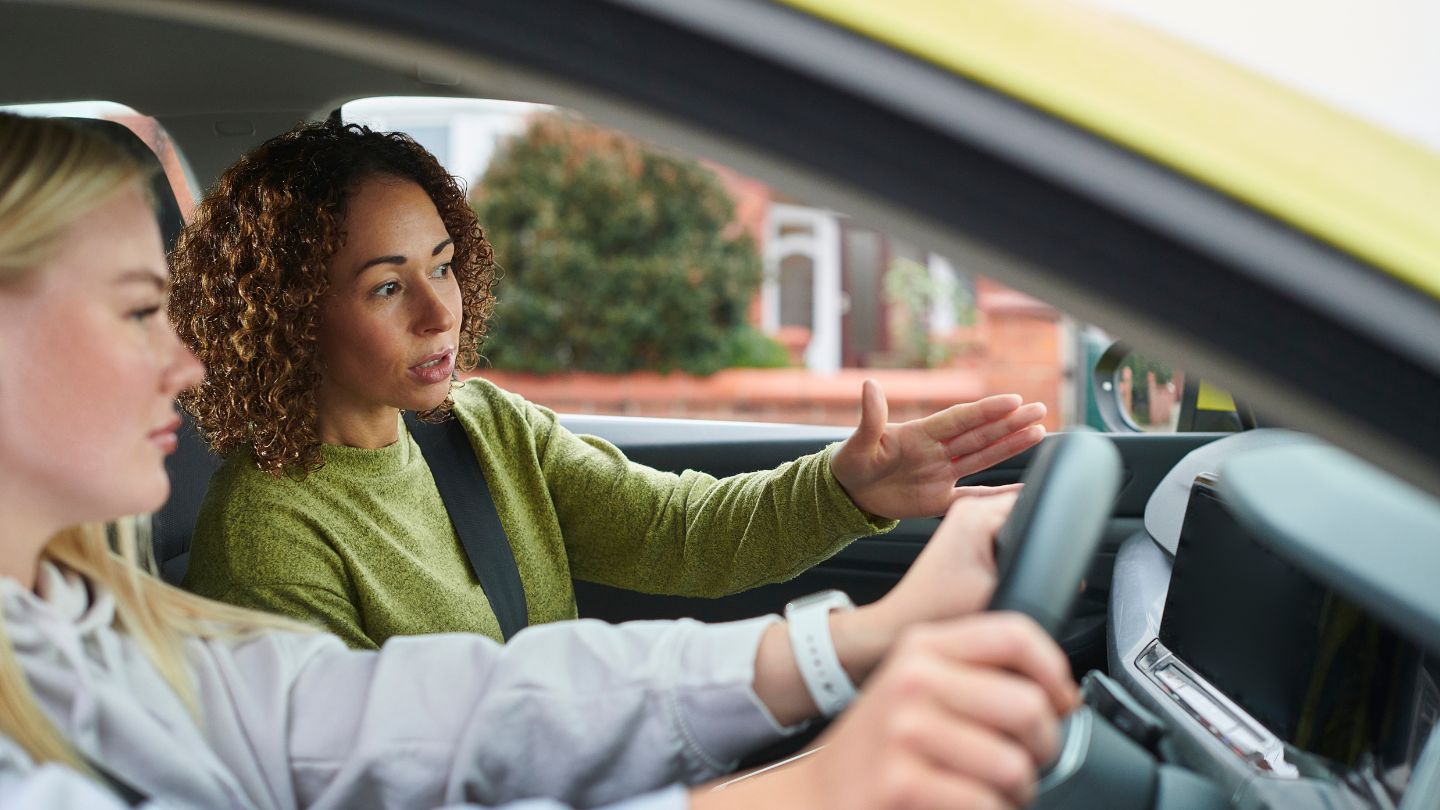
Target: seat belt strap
x=127 y=793
x=456 y=469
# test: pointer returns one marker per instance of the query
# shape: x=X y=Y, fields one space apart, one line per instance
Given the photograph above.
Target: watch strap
x=809 y=625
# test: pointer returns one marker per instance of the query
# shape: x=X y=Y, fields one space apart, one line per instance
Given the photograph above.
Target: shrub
x=616 y=257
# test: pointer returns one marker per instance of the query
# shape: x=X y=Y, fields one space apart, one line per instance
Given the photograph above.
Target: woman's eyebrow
x=141 y=276
x=400 y=259
x=380 y=260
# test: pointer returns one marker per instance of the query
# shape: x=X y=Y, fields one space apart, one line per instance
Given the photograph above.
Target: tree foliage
x=615 y=257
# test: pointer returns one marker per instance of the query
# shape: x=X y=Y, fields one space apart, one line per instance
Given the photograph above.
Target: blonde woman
x=116 y=689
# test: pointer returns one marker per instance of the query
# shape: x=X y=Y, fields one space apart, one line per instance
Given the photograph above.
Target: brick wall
x=758 y=395
x=1020 y=340
x=1014 y=347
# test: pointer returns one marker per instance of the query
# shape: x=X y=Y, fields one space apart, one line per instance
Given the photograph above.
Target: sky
x=1378 y=59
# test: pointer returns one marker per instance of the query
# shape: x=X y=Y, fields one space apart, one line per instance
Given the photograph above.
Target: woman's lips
x=434 y=369
x=165 y=438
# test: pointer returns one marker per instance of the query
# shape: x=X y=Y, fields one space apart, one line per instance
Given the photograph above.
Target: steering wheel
x=1042 y=552
x=1045 y=547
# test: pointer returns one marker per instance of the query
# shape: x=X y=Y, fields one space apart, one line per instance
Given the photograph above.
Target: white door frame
x=820 y=243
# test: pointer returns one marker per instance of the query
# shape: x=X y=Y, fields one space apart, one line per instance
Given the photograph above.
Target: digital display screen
x=1309 y=665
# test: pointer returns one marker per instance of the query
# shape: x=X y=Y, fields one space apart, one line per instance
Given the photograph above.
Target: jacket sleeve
x=631 y=526
x=584 y=713
x=52 y=785
x=56 y=786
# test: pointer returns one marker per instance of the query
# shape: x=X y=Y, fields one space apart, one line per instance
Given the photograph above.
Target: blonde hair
x=51 y=175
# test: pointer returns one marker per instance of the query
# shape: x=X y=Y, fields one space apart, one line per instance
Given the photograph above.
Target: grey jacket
x=579 y=714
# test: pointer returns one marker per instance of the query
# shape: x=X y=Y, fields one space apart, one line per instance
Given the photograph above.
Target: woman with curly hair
x=118 y=690
x=336 y=277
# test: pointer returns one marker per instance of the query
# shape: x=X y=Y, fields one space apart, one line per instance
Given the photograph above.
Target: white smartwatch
x=809 y=623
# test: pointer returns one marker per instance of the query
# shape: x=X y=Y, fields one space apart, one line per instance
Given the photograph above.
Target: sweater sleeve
x=263 y=554
x=631 y=526
x=582 y=713
x=313 y=603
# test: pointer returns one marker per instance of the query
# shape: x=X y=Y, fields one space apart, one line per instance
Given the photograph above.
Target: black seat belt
x=448 y=452
x=127 y=793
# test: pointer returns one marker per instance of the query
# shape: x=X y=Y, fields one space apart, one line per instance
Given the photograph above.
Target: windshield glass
x=1375 y=60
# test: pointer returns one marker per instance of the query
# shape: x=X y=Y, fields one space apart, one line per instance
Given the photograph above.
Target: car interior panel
x=1271 y=676
x=1260 y=611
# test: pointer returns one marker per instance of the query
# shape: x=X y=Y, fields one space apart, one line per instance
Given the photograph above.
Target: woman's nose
x=436 y=313
x=184 y=369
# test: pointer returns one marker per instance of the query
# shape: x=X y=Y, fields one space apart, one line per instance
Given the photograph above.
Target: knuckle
x=1048 y=742
x=915 y=640
x=974 y=795
x=1006 y=634
x=896 y=787
x=1023 y=638
x=1033 y=708
x=991 y=801
x=1012 y=771
x=910 y=680
x=1021 y=627
x=906 y=728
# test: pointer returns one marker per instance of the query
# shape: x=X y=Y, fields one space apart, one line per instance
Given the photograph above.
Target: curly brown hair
x=249 y=278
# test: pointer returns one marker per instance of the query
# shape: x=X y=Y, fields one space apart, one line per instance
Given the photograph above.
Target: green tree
x=615 y=257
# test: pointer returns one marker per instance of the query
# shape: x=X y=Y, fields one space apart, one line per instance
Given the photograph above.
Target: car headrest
x=167 y=208
x=1165 y=510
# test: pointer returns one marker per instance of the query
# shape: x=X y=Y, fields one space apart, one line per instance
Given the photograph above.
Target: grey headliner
x=245 y=86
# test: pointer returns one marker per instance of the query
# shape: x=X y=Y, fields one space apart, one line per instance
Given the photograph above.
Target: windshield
x=1375 y=60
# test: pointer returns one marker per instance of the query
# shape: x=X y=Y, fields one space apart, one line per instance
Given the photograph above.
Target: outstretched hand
x=910 y=469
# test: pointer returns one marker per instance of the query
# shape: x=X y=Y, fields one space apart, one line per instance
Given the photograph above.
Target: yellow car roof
x=1349 y=183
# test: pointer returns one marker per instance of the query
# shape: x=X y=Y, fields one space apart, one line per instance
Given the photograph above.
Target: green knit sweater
x=364 y=547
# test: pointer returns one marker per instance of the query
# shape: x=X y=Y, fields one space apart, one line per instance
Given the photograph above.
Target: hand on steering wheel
x=962 y=711
x=1046 y=545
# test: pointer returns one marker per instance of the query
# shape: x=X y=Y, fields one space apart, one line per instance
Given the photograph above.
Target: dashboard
x=1290 y=657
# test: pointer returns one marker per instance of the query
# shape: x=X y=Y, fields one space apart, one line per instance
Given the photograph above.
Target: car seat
x=190 y=468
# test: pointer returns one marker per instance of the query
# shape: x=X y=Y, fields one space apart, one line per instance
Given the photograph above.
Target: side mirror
x=1135 y=393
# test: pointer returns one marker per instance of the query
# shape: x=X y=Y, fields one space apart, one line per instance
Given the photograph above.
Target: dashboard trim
x=1217 y=714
